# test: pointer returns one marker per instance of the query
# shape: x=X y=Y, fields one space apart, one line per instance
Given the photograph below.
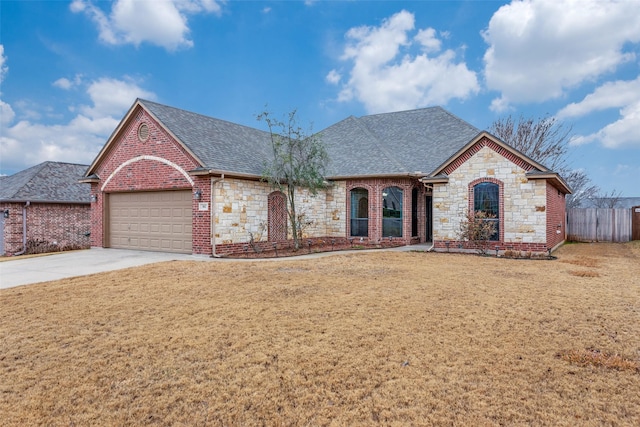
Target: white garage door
x=151 y=221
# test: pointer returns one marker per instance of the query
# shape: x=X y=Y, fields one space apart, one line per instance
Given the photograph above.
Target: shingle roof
x=219 y=144
x=382 y=144
x=47 y=182
x=401 y=142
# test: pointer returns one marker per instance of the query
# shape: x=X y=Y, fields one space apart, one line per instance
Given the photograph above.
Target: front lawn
x=395 y=338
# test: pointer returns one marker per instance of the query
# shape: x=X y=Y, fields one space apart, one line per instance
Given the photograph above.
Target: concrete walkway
x=23 y=271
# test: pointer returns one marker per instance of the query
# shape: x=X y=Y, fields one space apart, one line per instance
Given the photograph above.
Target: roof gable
x=485 y=139
x=49 y=182
x=534 y=170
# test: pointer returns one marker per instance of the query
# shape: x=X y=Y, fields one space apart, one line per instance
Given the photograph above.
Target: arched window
x=486 y=199
x=392 y=212
x=359 y=212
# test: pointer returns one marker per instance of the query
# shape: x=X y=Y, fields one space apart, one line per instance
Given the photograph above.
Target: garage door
x=152 y=221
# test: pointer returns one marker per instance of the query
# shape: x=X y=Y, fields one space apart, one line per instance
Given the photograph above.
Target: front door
x=429 y=218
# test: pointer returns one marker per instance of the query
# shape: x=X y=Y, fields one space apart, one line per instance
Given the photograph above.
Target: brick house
x=44 y=206
x=173 y=180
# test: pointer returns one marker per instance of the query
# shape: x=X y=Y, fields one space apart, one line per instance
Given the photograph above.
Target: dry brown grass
x=352 y=339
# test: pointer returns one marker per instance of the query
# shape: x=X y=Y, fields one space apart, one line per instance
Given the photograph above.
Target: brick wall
x=63 y=226
x=375 y=199
x=155 y=163
x=556 y=217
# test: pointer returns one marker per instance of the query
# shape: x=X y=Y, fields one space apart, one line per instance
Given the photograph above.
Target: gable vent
x=143 y=132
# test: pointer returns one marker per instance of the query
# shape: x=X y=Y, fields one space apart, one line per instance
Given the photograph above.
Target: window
x=392 y=212
x=359 y=212
x=486 y=199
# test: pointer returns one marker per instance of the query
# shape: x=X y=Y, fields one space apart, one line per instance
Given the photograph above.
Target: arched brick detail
x=486 y=142
x=500 y=184
x=277 y=217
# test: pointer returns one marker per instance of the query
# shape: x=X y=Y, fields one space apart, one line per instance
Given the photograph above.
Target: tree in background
x=546 y=140
x=606 y=200
x=299 y=160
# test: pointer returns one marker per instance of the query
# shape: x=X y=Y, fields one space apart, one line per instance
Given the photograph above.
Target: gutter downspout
x=212 y=225
x=24 y=230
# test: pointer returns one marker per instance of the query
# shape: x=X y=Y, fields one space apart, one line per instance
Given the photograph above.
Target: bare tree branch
x=299 y=161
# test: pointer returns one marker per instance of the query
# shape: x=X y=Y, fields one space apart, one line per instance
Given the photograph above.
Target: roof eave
x=378 y=175
x=554 y=178
x=223 y=173
x=61 y=202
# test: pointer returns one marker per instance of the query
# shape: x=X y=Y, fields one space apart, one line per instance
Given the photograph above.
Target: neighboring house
x=44 y=205
x=608 y=202
x=172 y=180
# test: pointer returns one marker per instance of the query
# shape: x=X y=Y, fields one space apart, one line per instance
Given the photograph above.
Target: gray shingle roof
x=46 y=182
x=219 y=144
x=401 y=142
x=382 y=144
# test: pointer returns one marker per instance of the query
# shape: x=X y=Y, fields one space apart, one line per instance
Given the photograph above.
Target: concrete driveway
x=15 y=272
x=24 y=271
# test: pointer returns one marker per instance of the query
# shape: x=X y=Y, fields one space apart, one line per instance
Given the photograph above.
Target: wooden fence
x=599 y=225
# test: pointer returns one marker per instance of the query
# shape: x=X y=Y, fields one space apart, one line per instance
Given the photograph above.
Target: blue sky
x=71 y=69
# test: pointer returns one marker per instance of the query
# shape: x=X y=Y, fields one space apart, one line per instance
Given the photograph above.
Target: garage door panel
x=159 y=221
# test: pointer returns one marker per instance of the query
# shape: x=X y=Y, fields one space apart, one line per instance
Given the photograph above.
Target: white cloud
x=615 y=94
x=3 y=64
x=387 y=76
x=66 y=84
x=624 y=95
x=160 y=22
x=538 y=49
x=333 y=77
x=624 y=132
x=27 y=142
x=6 y=113
x=63 y=83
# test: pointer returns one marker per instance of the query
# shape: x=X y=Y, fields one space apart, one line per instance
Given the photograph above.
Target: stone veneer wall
x=240 y=208
x=523 y=219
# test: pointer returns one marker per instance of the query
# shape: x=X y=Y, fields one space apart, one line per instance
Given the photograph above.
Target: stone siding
x=523 y=201
x=241 y=208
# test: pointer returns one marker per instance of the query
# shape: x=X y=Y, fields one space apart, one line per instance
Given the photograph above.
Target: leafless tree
x=299 y=159
x=546 y=140
x=607 y=200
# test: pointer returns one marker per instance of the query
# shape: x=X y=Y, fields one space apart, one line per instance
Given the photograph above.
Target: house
x=44 y=205
x=172 y=180
x=610 y=202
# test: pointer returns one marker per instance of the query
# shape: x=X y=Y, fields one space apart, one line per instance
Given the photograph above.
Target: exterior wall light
x=197 y=194
x=94 y=198
x=5 y=213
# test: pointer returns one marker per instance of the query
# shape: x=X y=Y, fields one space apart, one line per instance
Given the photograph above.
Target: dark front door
x=429 y=218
